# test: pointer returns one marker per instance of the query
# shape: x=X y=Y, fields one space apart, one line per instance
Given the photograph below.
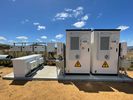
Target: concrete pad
x=48 y=72
x=9 y=76
x=52 y=73
x=100 y=78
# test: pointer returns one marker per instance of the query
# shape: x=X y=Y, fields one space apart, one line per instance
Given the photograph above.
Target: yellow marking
x=105 y=65
x=77 y=64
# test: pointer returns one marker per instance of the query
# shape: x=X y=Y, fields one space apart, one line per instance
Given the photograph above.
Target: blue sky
x=46 y=20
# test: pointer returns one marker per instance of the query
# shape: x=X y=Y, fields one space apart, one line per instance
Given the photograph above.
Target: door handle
x=88 y=49
x=116 y=49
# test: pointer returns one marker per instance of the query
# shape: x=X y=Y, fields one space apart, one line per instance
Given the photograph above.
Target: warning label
x=77 y=64
x=105 y=65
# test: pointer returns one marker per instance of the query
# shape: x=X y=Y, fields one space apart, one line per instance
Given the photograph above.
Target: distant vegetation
x=4 y=46
x=130 y=48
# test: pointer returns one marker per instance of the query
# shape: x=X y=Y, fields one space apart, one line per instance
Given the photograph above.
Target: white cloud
x=2 y=38
x=84 y=18
x=22 y=37
x=69 y=13
x=25 y=21
x=78 y=11
x=11 y=41
x=53 y=40
x=59 y=36
x=68 y=9
x=62 y=16
x=79 y=8
x=36 y=23
x=123 y=27
x=44 y=37
x=39 y=40
x=79 y=24
x=41 y=27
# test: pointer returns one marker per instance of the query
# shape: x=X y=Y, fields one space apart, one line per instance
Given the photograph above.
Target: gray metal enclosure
x=105 y=50
x=78 y=51
x=94 y=51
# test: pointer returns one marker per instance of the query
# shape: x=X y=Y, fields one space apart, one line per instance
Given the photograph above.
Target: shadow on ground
x=18 y=82
x=96 y=87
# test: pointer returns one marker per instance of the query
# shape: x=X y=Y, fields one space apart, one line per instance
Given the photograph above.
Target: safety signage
x=105 y=65
x=77 y=64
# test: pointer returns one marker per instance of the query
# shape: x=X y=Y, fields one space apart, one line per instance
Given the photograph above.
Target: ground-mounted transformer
x=78 y=51
x=39 y=48
x=51 y=47
x=27 y=48
x=15 y=48
x=94 y=51
x=105 y=50
x=123 y=49
x=60 y=49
